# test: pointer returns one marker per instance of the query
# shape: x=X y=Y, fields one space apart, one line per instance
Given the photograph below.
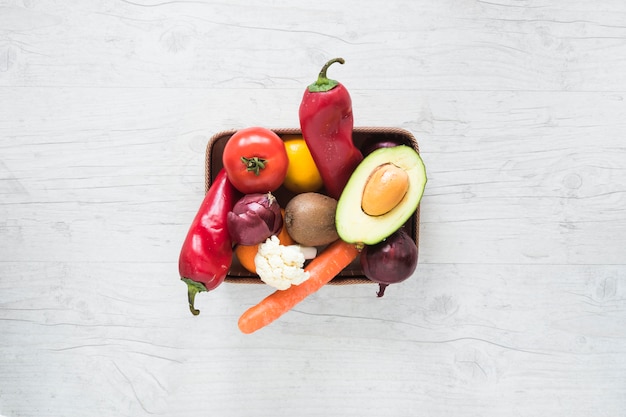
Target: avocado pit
x=384 y=189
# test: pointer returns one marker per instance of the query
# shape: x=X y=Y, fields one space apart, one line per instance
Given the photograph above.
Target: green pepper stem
x=324 y=83
x=322 y=77
x=193 y=288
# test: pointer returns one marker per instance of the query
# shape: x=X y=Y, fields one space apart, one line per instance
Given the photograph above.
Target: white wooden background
x=518 y=305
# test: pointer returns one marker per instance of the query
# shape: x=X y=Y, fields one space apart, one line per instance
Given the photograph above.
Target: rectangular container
x=353 y=273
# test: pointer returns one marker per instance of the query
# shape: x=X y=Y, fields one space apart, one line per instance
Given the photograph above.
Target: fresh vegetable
x=255 y=160
x=281 y=266
x=330 y=262
x=302 y=173
x=382 y=194
x=254 y=218
x=374 y=142
x=207 y=253
x=326 y=122
x=246 y=253
x=391 y=261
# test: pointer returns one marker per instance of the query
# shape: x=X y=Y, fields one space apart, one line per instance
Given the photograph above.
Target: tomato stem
x=254 y=164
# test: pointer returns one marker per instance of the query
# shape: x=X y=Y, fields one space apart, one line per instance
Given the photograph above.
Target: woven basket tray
x=353 y=273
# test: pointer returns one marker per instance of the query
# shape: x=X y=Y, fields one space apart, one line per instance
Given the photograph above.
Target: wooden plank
x=451 y=45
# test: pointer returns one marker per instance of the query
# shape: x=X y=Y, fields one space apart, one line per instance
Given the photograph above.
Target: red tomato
x=255 y=160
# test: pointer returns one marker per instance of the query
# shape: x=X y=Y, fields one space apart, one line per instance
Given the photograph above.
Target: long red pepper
x=206 y=255
x=326 y=121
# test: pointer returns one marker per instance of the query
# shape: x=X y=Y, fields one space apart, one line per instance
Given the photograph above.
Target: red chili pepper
x=207 y=253
x=326 y=121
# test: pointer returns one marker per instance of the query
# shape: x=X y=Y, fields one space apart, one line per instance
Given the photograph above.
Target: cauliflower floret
x=280 y=266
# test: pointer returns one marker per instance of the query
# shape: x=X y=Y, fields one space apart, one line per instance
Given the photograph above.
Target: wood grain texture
x=518 y=305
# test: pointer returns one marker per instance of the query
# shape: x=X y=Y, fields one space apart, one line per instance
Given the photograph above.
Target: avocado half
x=356 y=226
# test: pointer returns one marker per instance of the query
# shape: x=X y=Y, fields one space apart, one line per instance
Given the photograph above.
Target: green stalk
x=254 y=164
x=324 y=83
x=193 y=288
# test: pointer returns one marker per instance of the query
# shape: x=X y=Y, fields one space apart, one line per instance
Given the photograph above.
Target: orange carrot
x=322 y=269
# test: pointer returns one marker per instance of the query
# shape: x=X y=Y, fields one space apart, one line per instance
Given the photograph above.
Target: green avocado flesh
x=353 y=224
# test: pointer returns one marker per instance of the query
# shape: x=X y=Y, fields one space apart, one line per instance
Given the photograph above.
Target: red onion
x=391 y=261
x=254 y=218
x=374 y=142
